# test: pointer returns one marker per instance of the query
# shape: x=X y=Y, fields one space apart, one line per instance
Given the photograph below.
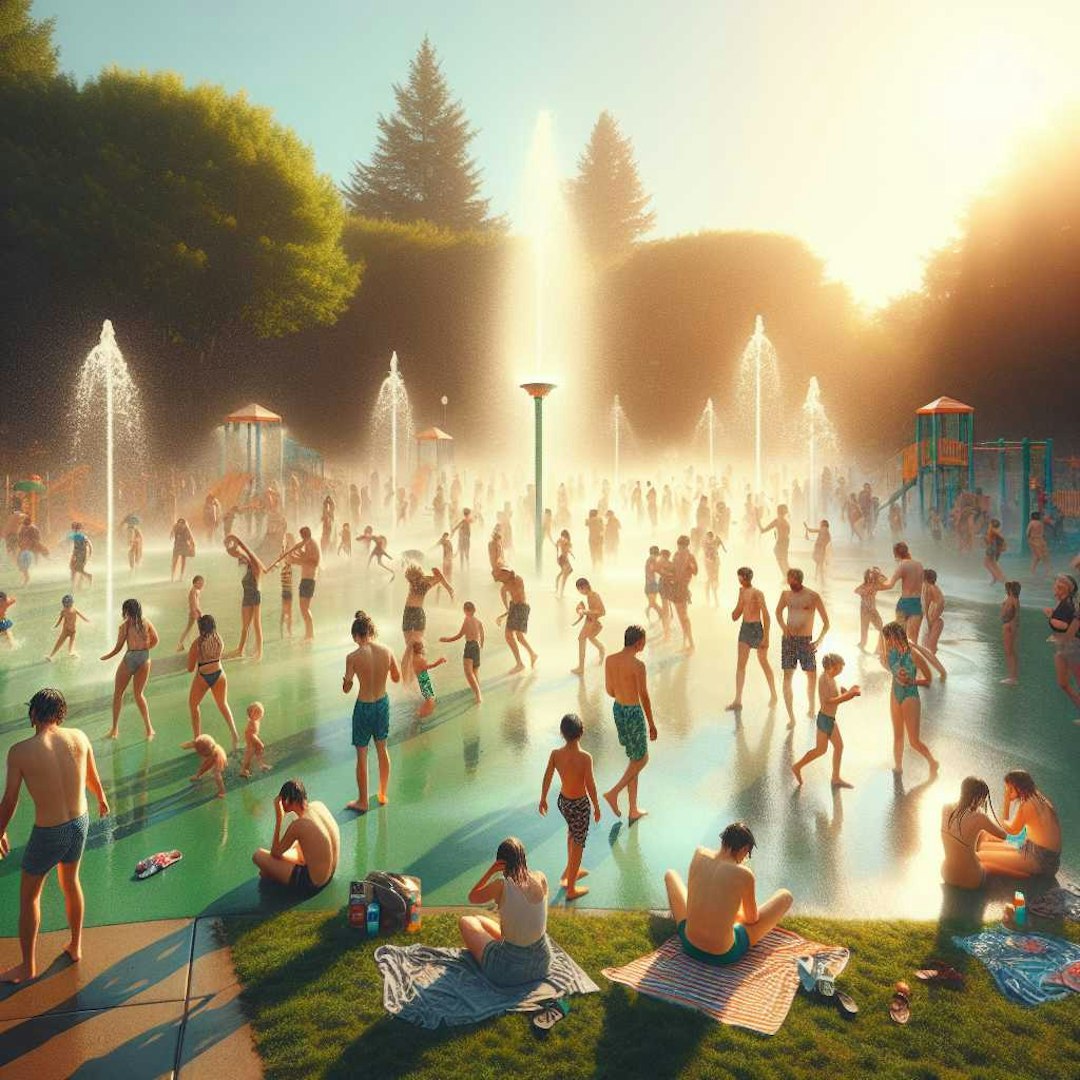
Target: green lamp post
x=538 y=391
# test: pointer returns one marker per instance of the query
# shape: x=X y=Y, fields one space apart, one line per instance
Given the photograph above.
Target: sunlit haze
x=862 y=127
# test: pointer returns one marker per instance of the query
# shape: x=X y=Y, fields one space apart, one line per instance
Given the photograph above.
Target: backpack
x=394 y=894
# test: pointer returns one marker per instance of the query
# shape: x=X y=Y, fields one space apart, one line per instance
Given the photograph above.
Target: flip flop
x=846 y=1004
x=940 y=972
x=550 y=1014
x=148 y=867
x=900 y=1008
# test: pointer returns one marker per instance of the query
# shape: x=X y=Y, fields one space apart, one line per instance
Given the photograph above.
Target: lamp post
x=445 y=401
x=538 y=391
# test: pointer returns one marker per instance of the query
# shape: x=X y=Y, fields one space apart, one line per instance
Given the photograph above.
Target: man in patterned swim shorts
x=626 y=681
x=57 y=767
x=798 y=646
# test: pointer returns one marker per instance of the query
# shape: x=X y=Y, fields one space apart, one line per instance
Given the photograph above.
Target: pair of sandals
x=549 y=1014
x=938 y=973
x=154 y=864
x=815 y=979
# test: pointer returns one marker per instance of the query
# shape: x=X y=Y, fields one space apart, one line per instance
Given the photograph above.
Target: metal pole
x=539 y=510
x=1048 y=470
x=1025 y=493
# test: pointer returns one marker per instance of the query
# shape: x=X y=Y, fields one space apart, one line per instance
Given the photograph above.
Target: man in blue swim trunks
x=716 y=912
x=626 y=681
x=57 y=767
x=909 y=572
x=370 y=664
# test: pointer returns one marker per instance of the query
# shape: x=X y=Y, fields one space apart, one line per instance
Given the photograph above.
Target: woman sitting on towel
x=962 y=824
x=1038 y=853
x=515 y=948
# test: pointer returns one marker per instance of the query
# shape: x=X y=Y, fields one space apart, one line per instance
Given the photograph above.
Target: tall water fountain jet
x=708 y=422
x=392 y=421
x=618 y=420
x=821 y=437
x=759 y=376
x=105 y=391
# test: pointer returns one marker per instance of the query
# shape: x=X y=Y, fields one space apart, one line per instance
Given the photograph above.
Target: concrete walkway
x=148 y=1000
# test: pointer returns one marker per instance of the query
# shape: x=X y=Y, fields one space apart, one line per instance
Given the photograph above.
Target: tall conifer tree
x=609 y=202
x=421 y=168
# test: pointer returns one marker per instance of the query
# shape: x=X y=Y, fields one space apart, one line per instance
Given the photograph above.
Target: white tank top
x=522 y=921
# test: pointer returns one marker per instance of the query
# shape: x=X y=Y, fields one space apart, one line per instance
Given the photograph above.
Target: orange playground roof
x=433 y=434
x=944 y=405
x=253 y=414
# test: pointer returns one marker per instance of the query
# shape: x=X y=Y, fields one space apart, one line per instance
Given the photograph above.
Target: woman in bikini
x=204 y=659
x=995 y=546
x=1063 y=622
x=183 y=548
x=414 y=618
x=564 y=549
x=251 y=601
x=1035 y=826
x=139 y=637
x=963 y=824
x=909 y=671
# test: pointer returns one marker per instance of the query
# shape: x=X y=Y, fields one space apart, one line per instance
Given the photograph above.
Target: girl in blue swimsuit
x=909 y=671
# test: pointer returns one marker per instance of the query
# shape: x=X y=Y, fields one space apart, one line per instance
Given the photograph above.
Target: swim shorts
x=307 y=588
x=577 y=812
x=517 y=618
x=472 y=652
x=798 y=650
x=286 y=595
x=300 y=879
x=25 y=559
x=652 y=587
x=737 y=951
x=752 y=634
x=413 y=619
x=423 y=680
x=52 y=844
x=5 y=625
x=907 y=606
x=826 y=723
x=630 y=724
x=371 y=719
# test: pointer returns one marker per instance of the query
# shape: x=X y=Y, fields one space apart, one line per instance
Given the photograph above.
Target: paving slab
x=217 y=1040
x=134 y=964
x=138 y=1041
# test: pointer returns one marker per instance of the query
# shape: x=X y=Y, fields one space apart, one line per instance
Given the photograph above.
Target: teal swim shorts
x=630 y=724
x=371 y=720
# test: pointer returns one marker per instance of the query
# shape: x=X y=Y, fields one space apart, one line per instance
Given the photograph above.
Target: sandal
x=550 y=1014
x=900 y=1008
x=846 y=1004
x=940 y=972
x=148 y=867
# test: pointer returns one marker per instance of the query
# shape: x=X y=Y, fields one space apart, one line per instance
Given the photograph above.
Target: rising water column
x=538 y=391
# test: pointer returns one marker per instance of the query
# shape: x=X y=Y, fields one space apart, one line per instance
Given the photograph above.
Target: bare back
x=910 y=573
x=319 y=840
x=370 y=664
x=574 y=767
x=625 y=675
x=53 y=766
x=715 y=890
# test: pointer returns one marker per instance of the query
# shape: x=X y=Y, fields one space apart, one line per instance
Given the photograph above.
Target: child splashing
x=909 y=671
x=872 y=583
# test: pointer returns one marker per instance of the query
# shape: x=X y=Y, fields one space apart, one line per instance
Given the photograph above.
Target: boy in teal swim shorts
x=716 y=913
x=627 y=683
x=827 y=731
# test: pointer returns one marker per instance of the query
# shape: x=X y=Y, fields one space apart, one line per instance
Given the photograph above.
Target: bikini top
x=1065 y=612
x=212 y=644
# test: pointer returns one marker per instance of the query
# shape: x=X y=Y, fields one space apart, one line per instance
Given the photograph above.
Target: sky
x=864 y=127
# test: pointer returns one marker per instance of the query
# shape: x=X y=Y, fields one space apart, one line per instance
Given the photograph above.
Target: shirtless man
x=591 y=610
x=369 y=663
x=626 y=682
x=909 y=572
x=306 y=857
x=685 y=568
x=652 y=584
x=464 y=527
x=753 y=634
x=595 y=525
x=716 y=912
x=798 y=644
x=57 y=766
x=783 y=537
x=496 y=549
x=307 y=555
x=512 y=590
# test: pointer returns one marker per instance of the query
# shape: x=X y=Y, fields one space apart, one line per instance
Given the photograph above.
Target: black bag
x=393 y=896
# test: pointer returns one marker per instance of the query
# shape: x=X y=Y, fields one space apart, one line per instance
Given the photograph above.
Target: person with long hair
x=414 y=618
x=963 y=824
x=204 y=661
x=138 y=636
x=1064 y=634
x=183 y=542
x=1035 y=847
x=514 y=948
x=251 y=601
x=563 y=550
x=995 y=545
x=909 y=671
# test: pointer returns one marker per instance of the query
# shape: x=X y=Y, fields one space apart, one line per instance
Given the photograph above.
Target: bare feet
x=797 y=773
x=603 y=657
x=245 y=773
x=580 y=874
x=533 y=659
x=773 y=700
x=934 y=767
x=73 y=954
x=637 y=816
x=113 y=734
x=150 y=734
x=575 y=892
x=735 y=706
x=577 y=671
x=264 y=766
x=17 y=974
x=840 y=783
x=516 y=669
x=48 y=660
x=382 y=798
x=613 y=802
x=220 y=795
x=357 y=806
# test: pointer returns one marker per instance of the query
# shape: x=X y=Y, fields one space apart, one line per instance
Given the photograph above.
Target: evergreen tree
x=26 y=46
x=421 y=169
x=608 y=199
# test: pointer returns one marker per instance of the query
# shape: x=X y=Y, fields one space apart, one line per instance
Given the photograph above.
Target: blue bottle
x=373 y=912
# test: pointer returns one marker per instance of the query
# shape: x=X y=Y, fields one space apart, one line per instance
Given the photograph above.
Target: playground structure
x=435 y=448
x=946 y=464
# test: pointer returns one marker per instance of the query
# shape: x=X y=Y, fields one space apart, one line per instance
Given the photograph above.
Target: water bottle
x=415 y=915
x=1020 y=908
x=373 y=913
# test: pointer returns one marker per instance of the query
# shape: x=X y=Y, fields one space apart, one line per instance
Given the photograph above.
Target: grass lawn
x=315 y=998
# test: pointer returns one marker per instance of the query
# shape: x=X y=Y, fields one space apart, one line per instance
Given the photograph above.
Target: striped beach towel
x=755 y=993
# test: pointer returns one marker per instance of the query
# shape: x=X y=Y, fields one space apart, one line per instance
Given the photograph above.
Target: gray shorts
x=52 y=844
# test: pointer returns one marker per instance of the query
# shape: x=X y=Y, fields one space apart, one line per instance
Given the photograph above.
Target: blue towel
x=1020 y=963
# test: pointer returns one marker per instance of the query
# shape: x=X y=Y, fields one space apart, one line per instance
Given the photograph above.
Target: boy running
x=69 y=616
x=194 y=609
x=590 y=611
x=472 y=630
x=827 y=731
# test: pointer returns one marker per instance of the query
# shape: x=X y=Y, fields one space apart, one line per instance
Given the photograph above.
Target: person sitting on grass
x=513 y=949
x=963 y=823
x=306 y=857
x=576 y=799
x=716 y=912
x=1035 y=827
